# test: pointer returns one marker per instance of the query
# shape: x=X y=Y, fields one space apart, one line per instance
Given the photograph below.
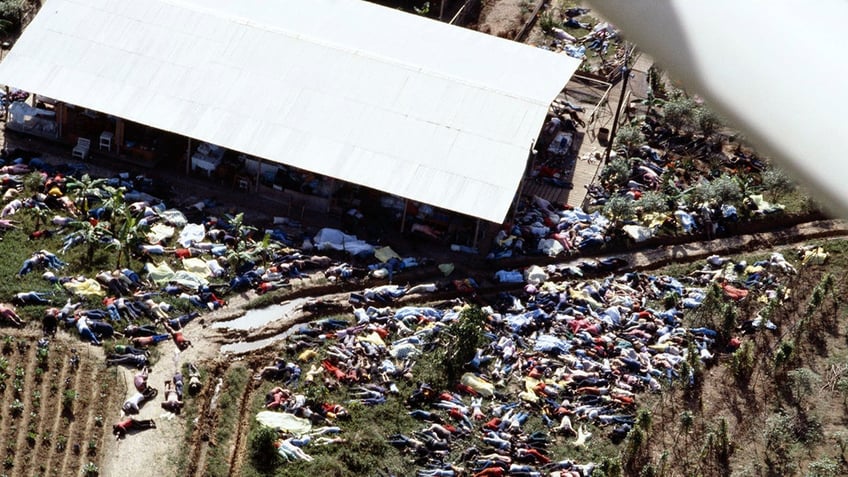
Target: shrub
x=68 y=398
x=779 y=438
x=90 y=470
x=547 y=22
x=17 y=407
x=616 y=173
x=463 y=338
x=784 y=353
x=620 y=208
x=801 y=383
x=824 y=467
x=721 y=190
x=653 y=202
x=679 y=113
x=262 y=447
x=12 y=10
x=777 y=182
x=742 y=364
x=708 y=121
x=629 y=137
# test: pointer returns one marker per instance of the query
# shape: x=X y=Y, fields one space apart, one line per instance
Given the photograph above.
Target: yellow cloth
x=306 y=355
x=372 y=338
x=483 y=387
x=528 y=394
x=196 y=266
x=816 y=256
x=86 y=288
x=753 y=269
x=385 y=253
x=584 y=296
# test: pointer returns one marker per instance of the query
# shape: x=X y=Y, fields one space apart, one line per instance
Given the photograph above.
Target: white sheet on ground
x=284 y=421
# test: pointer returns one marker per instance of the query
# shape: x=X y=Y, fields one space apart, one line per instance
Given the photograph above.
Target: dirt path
x=141 y=453
x=504 y=18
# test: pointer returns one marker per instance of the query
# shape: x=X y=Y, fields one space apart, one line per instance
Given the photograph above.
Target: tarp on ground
x=283 y=421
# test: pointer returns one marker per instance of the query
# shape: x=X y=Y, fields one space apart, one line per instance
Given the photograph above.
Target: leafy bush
x=708 y=121
x=722 y=190
x=653 y=202
x=629 y=137
x=547 y=22
x=68 y=398
x=824 y=467
x=463 y=338
x=780 y=438
x=679 y=113
x=801 y=383
x=617 y=172
x=12 y=9
x=777 y=182
x=262 y=447
x=620 y=208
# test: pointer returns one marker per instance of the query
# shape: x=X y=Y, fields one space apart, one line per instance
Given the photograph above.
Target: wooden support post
x=188 y=156
x=61 y=118
x=258 y=173
x=476 y=234
x=403 y=217
x=625 y=75
x=119 y=135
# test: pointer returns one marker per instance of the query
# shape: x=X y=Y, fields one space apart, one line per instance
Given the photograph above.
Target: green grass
x=229 y=402
x=366 y=449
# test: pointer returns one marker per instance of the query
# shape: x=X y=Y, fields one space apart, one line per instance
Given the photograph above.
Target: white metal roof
x=345 y=88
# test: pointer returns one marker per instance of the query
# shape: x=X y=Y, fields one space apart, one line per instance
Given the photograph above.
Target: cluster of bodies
x=572 y=354
x=153 y=305
x=653 y=170
x=563 y=361
x=543 y=228
x=172 y=401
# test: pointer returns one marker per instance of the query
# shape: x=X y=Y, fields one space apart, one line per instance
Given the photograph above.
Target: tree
x=93 y=236
x=462 y=338
x=263 y=447
x=84 y=188
x=265 y=249
x=240 y=230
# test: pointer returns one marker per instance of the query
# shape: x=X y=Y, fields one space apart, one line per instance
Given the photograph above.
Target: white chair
x=81 y=149
x=106 y=141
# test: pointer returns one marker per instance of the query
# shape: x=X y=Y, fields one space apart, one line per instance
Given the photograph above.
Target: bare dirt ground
x=158 y=449
x=504 y=18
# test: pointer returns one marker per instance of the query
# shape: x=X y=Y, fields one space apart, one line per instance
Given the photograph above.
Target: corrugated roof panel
x=394 y=101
